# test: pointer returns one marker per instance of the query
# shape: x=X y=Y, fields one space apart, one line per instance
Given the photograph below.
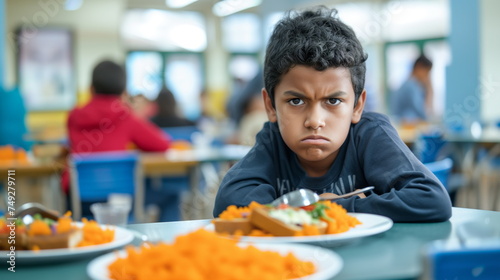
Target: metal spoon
x=28 y=210
x=304 y=197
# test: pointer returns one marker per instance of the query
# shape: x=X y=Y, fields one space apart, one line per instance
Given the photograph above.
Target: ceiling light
x=178 y=3
x=227 y=7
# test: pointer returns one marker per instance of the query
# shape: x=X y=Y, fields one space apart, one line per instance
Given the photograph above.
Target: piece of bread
x=20 y=241
x=224 y=226
x=55 y=241
x=260 y=218
x=4 y=241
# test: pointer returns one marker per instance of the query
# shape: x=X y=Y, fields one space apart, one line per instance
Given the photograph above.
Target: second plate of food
x=371 y=224
x=122 y=237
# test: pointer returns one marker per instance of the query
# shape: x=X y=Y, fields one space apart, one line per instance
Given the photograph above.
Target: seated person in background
x=167 y=113
x=318 y=136
x=412 y=102
x=240 y=99
x=142 y=106
x=247 y=112
x=252 y=120
x=107 y=123
x=13 y=127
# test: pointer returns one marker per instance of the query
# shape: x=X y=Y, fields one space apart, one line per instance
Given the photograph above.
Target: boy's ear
x=271 y=112
x=358 y=110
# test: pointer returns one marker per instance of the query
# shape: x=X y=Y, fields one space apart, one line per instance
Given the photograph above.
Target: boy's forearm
x=401 y=206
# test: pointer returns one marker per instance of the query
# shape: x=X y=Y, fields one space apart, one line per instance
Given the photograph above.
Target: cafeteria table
x=394 y=254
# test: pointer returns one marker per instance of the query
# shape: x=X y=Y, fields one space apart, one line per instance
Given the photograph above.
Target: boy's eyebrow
x=301 y=95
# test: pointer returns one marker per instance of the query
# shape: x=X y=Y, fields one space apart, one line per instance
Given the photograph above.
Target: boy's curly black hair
x=315 y=38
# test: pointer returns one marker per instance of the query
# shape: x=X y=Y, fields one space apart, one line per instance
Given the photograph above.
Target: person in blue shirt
x=412 y=102
x=318 y=137
x=13 y=128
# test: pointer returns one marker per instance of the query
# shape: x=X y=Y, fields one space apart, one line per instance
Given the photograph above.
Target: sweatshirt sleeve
x=250 y=179
x=405 y=190
x=148 y=137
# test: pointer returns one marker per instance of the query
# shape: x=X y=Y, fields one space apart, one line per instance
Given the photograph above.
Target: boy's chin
x=315 y=155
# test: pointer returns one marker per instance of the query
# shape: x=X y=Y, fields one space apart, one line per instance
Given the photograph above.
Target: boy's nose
x=315 y=119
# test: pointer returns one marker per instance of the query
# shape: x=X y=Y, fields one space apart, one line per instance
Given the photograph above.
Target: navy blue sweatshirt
x=372 y=155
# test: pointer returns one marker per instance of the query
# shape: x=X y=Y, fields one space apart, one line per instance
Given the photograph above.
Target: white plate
x=371 y=224
x=328 y=263
x=122 y=238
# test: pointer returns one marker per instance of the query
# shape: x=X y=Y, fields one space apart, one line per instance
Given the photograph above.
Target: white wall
x=490 y=60
x=95 y=26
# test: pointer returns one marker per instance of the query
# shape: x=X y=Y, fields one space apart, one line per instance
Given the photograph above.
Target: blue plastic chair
x=456 y=262
x=94 y=176
x=442 y=170
x=428 y=146
x=181 y=132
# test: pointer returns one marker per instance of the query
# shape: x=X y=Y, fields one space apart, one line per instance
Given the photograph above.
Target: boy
x=318 y=136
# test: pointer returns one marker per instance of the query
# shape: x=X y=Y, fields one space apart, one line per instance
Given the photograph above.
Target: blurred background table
x=475 y=152
x=34 y=182
x=197 y=173
x=192 y=177
x=478 y=154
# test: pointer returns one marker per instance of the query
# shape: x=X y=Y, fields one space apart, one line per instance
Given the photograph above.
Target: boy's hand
x=362 y=195
x=332 y=195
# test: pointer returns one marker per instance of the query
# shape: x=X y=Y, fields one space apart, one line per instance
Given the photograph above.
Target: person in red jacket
x=107 y=123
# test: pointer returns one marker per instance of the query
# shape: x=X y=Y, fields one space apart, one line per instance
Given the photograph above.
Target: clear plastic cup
x=120 y=199
x=110 y=214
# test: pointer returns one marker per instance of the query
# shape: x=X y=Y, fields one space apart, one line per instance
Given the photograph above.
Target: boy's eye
x=333 y=101
x=295 y=101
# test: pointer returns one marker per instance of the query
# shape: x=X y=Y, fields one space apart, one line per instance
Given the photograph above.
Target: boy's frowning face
x=314 y=110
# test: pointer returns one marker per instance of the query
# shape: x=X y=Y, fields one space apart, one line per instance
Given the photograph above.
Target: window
x=184 y=77
x=181 y=72
x=144 y=72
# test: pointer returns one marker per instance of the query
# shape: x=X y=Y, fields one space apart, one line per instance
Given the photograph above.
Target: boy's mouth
x=315 y=139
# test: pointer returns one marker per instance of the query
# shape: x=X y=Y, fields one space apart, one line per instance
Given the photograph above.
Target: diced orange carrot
x=203 y=255
x=39 y=227
x=234 y=212
x=94 y=234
